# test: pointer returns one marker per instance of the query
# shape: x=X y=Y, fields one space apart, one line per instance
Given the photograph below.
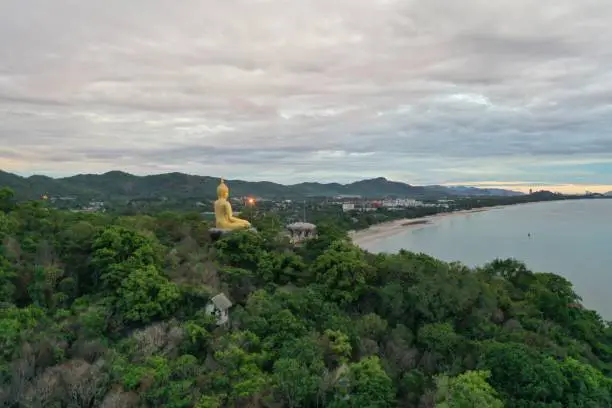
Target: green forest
x=101 y=310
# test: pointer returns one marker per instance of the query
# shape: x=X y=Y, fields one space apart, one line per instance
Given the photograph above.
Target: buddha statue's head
x=222 y=190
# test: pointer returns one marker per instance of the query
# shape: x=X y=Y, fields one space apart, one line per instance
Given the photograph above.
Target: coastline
x=390 y=228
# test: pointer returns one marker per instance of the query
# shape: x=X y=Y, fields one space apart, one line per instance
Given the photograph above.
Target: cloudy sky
x=505 y=92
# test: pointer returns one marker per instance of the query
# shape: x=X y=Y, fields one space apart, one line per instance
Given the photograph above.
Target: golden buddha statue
x=223 y=211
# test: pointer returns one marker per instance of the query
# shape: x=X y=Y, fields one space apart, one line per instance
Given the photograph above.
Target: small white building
x=219 y=307
x=348 y=207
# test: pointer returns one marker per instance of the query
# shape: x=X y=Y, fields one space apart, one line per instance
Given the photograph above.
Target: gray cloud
x=434 y=91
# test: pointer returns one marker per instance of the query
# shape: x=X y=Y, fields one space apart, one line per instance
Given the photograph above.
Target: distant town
x=306 y=209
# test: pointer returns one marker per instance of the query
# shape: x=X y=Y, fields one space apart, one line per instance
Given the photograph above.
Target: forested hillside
x=103 y=311
x=120 y=185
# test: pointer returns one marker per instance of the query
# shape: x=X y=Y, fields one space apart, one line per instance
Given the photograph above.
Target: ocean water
x=569 y=238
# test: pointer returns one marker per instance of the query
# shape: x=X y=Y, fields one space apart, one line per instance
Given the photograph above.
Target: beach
x=390 y=228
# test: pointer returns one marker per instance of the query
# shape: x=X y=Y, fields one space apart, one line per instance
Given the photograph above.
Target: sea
x=571 y=238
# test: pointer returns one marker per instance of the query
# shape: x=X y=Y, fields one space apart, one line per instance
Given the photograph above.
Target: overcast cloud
x=427 y=91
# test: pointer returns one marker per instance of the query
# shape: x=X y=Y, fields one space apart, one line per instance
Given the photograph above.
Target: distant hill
x=117 y=184
x=473 y=191
x=609 y=194
x=377 y=187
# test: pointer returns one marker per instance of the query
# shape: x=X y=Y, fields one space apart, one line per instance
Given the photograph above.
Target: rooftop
x=301 y=226
x=221 y=301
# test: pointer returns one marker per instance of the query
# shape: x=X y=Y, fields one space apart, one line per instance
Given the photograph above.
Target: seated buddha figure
x=223 y=211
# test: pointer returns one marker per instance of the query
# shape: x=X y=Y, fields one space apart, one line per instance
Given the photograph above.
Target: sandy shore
x=388 y=229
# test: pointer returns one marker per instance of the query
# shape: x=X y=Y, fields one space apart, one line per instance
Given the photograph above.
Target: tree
x=442 y=344
x=467 y=390
x=7 y=196
x=295 y=381
x=210 y=401
x=240 y=359
x=76 y=242
x=338 y=346
x=368 y=386
x=16 y=324
x=8 y=225
x=512 y=270
x=145 y=294
x=116 y=250
x=586 y=386
x=328 y=232
x=269 y=226
x=7 y=275
x=241 y=249
x=523 y=374
x=343 y=271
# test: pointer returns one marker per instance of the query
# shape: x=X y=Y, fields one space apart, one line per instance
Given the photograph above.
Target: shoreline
x=390 y=228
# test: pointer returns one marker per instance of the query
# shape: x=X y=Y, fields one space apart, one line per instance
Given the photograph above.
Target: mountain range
x=121 y=185
x=474 y=191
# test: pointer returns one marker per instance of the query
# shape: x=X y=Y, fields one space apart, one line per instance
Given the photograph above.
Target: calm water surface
x=569 y=238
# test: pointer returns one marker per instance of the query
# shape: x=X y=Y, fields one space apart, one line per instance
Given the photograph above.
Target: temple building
x=301 y=231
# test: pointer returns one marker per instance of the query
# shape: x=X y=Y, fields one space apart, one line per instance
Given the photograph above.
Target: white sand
x=388 y=229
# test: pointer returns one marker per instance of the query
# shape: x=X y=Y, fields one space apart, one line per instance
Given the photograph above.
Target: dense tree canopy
x=109 y=312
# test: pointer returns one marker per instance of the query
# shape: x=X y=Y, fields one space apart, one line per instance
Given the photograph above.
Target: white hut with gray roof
x=219 y=307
